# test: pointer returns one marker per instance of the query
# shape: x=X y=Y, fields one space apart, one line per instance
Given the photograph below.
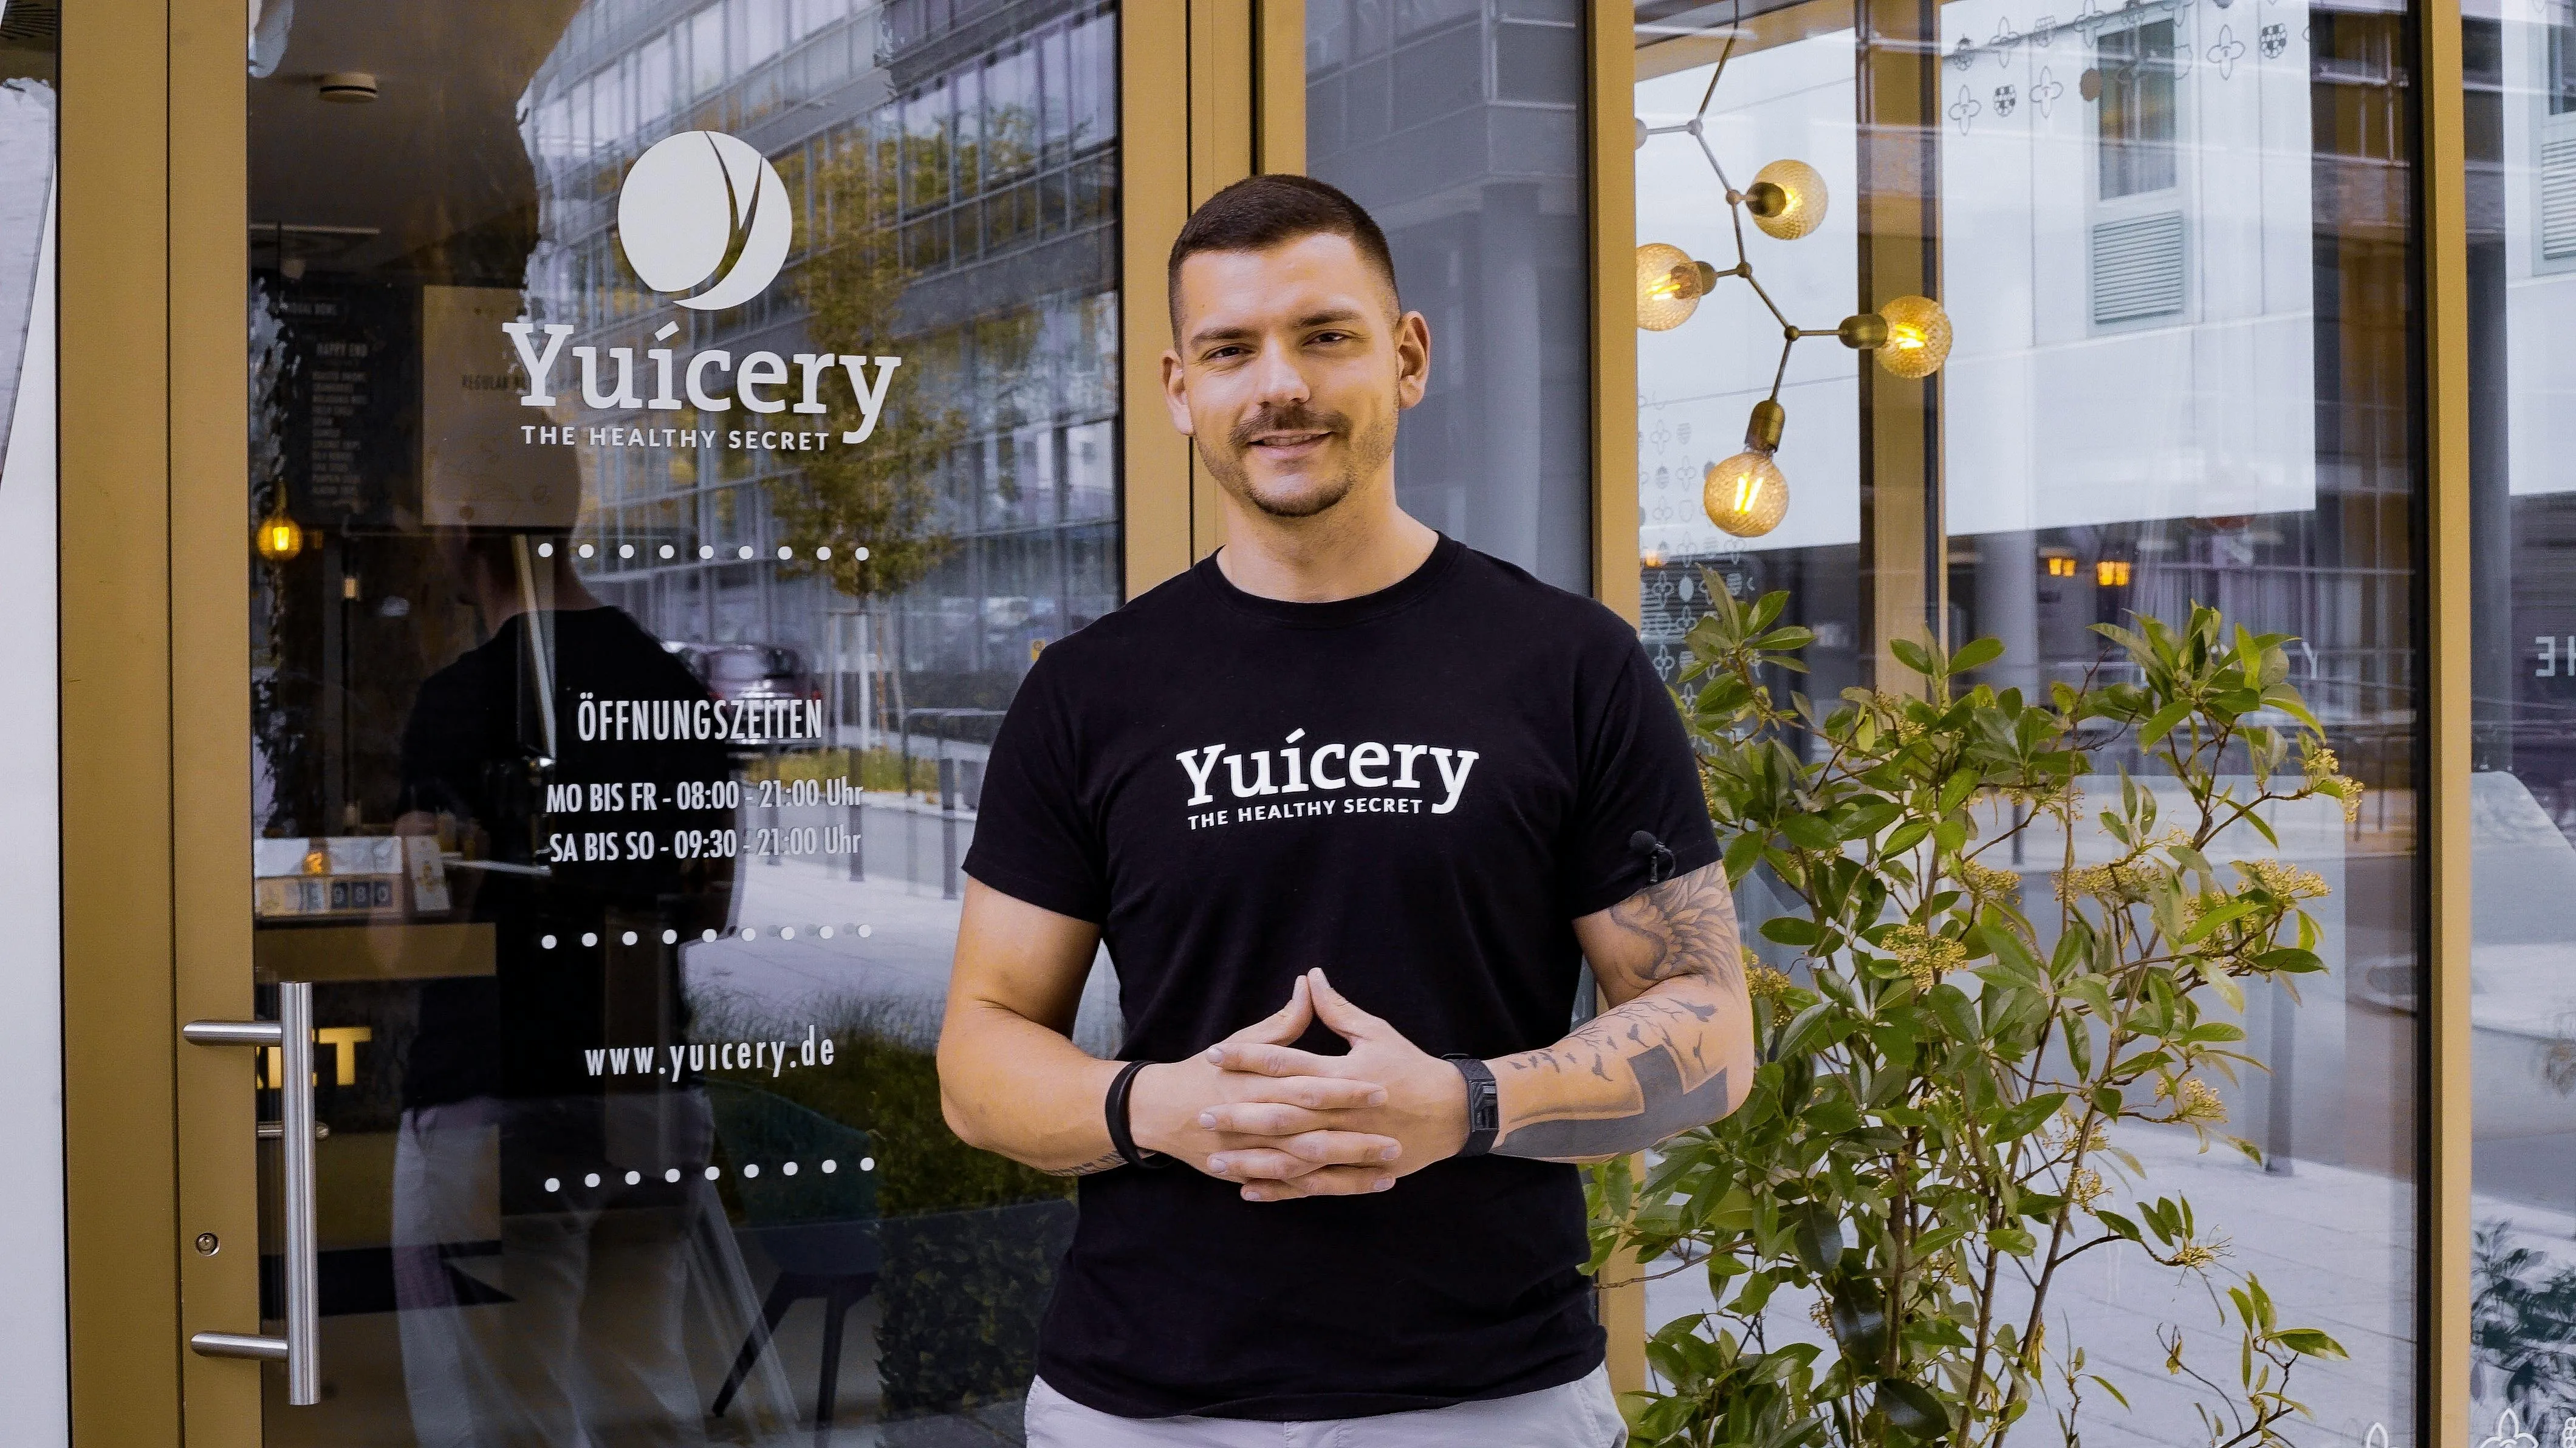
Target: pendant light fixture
x=278 y=538
x=1747 y=495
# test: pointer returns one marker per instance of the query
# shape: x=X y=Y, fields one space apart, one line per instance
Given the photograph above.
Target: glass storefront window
x=676 y=430
x=2521 y=137
x=1459 y=126
x=2173 y=244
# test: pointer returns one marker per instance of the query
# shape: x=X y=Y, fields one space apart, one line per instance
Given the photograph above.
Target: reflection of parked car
x=737 y=672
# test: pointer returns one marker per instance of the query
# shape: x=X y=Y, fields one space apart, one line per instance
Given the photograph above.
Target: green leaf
x=2015 y=1240
x=2118 y=1223
x=1818 y=1234
x=2020 y=1120
x=1906 y=836
x=1806 y=1032
x=2010 y=951
x=1809 y=832
x=2212 y=919
x=2308 y=1342
x=1757 y=1292
x=1869 y=818
x=1911 y=655
x=1976 y=655
x=1742 y=855
x=2090 y=990
x=2162 y=722
x=1790 y=930
x=1912 y=1410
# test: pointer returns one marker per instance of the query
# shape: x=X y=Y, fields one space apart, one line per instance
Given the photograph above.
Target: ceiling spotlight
x=1669 y=286
x=1787 y=199
x=348 y=87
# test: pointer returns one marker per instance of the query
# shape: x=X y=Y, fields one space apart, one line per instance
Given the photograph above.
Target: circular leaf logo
x=702 y=207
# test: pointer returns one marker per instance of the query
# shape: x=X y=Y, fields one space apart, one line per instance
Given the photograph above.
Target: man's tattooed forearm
x=1089 y=1168
x=1669 y=1107
x=1661 y=1020
x=1627 y=1079
x=1658 y=1062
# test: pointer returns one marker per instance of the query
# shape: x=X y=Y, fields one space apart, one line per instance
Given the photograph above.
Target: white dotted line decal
x=750 y=1171
x=747 y=932
x=745 y=552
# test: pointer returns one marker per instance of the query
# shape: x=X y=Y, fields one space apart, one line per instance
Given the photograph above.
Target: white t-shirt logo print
x=1325 y=768
x=695 y=202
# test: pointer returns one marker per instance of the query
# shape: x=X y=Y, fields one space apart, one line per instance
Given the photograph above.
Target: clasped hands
x=1286 y=1123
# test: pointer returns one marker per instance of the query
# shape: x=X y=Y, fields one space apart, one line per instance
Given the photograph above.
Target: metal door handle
x=301 y=1348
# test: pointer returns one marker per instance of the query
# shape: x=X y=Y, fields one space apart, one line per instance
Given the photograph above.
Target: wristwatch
x=1484 y=1104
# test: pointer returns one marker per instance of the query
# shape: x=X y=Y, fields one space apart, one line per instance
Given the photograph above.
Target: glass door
x=675 y=427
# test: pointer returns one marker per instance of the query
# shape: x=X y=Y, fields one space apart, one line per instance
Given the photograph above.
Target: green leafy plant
x=1927 y=1141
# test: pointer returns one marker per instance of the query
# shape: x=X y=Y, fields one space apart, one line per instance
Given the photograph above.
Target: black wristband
x=1484 y=1105
x=1120 y=1135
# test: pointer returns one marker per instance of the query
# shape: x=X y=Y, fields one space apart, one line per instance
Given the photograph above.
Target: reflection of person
x=579 y=1337
x=1344 y=744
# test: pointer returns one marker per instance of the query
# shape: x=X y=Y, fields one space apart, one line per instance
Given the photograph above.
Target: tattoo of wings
x=1682 y=927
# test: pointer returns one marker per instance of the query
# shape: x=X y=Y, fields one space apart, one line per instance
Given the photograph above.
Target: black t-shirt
x=1418 y=790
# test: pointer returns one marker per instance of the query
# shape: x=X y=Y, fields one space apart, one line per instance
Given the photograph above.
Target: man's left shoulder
x=1519 y=602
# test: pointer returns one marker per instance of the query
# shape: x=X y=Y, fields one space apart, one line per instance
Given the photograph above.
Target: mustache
x=1295 y=418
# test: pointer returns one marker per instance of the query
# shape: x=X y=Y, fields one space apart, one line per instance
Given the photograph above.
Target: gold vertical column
x=1154 y=198
x=1279 y=96
x=1224 y=74
x=120 y=1030
x=1212 y=91
x=210 y=804
x=1611 y=40
x=1904 y=584
x=1611 y=66
x=2442 y=164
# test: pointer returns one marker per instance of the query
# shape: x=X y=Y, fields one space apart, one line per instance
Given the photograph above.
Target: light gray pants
x=1580 y=1414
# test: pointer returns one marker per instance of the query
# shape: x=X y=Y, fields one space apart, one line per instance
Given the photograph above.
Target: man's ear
x=1176 y=393
x=1412 y=358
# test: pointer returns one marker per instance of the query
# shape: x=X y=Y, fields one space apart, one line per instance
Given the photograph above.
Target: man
x=1344 y=799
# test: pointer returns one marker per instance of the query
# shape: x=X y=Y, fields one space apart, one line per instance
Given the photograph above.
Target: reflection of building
x=1459 y=126
x=2179 y=301
x=1003 y=125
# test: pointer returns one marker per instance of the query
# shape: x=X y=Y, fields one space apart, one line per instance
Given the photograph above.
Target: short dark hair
x=1260 y=212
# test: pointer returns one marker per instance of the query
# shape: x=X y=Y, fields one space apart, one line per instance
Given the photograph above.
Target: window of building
x=2136 y=112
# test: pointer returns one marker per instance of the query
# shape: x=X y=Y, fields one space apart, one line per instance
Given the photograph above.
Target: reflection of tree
x=2522 y=1321
x=884 y=494
x=280 y=702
